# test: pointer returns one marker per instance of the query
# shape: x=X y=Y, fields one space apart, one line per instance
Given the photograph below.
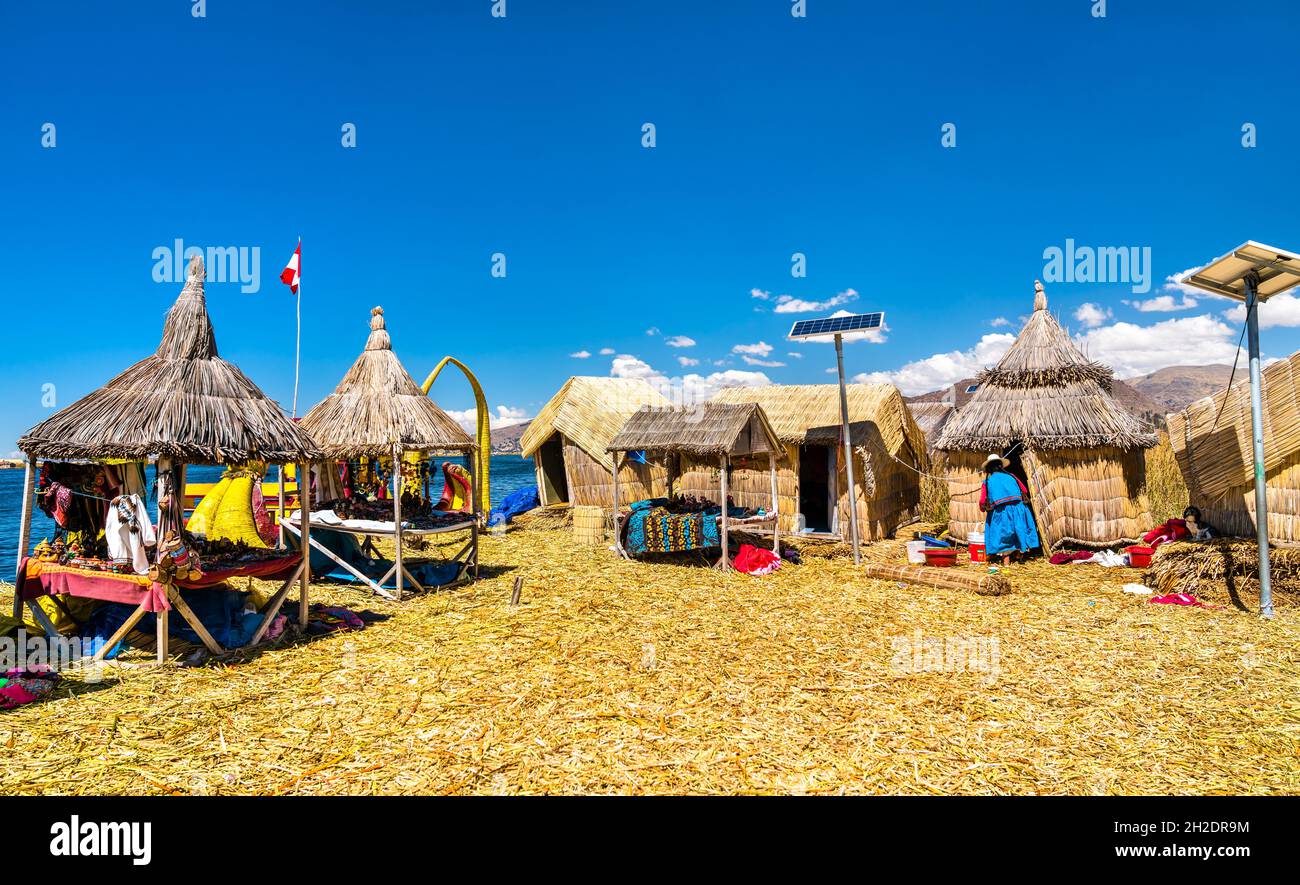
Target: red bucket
x=977 y=553
x=941 y=557
x=1139 y=557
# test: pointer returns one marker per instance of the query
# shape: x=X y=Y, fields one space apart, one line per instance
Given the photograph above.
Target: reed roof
x=702 y=429
x=931 y=417
x=1046 y=394
x=809 y=414
x=589 y=411
x=378 y=405
x=183 y=402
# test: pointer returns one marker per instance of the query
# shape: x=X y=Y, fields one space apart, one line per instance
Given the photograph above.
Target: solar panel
x=837 y=325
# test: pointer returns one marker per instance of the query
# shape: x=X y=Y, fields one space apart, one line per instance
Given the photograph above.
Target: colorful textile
x=1010 y=527
x=1169 y=530
x=1064 y=558
x=652 y=528
x=756 y=560
x=19 y=687
x=1181 y=599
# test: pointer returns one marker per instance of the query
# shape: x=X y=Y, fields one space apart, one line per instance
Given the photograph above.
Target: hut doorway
x=1017 y=466
x=817 y=488
x=552 y=481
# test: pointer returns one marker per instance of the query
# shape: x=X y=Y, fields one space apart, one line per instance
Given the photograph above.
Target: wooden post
x=304 y=507
x=725 y=562
x=397 y=516
x=618 y=542
x=24 y=532
x=776 y=507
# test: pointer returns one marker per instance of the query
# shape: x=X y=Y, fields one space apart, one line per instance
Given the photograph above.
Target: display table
x=466 y=558
x=37 y=578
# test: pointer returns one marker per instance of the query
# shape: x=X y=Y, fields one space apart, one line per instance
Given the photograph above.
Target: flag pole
x=297 y=343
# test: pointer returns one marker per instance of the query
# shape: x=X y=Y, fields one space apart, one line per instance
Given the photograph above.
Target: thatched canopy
x=703 y=429
x=589 y=411
x=809 y=414
x=931 y=417
x=378 y=405
x=1046 y=394
x=184 y=402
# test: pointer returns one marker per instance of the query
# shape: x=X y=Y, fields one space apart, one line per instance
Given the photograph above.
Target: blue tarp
x=517 y=502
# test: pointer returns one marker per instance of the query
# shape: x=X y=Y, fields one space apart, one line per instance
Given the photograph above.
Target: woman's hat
x=996 y=458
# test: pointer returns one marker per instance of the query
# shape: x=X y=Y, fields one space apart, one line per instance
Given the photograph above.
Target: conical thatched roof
x=184 y=402
x=378 y=405
x=589 y=411
x=1046 y=394
x=703 y=429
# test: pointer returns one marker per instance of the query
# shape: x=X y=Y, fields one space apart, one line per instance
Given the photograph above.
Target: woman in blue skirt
x=1008 y=522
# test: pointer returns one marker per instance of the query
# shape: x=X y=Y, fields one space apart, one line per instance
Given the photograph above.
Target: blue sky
x=522 y=135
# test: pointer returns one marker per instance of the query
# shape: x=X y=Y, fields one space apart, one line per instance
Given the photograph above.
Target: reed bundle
x=983 y=583
x=616 y=677
x=1221 y=569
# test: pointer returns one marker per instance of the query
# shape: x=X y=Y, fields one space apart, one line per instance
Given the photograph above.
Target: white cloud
x=581 y=354
x=790 y=304
x=1133 y=350
x=505 y=417
x=685 y=361
x=685 y=389
x=1092 y=315
x=1174 y=283
x=679 y=341
x=607 y=351
x=762 y=348
x=1163 y=304
x=1279 y=311
x=759 y=294
x=942 y=369
x=794 y=355
x=770 y=364
x=652 y=331
x=999 y=322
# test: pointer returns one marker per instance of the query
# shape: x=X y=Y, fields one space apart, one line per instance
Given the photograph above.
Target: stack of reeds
x=1224 y=567
x=983 y=583
x=589 y=525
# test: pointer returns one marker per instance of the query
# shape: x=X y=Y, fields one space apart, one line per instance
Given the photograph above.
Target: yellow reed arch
x=483 y=464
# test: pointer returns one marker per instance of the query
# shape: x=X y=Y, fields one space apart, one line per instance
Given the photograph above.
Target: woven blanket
x=653 y=529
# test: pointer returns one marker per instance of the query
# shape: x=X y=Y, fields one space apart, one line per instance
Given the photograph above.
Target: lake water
x=509 y=472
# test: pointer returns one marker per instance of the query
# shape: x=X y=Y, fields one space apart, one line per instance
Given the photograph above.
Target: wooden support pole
x=24 y=531
x=776 y=506
x=725 y=562
x=397 y=517
x=618 y=540
x=514 y=594
x=279 y=520
x=304 y=507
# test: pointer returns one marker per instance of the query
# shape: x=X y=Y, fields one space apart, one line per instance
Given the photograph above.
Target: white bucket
x=916 y=552
x=974 y=537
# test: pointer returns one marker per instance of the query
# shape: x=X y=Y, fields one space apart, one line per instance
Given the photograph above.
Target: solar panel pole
x=848 y=450
x=1251 y=282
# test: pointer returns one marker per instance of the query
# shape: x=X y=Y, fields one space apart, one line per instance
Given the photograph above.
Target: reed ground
x=619 y=677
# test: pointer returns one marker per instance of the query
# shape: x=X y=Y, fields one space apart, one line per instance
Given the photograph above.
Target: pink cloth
x=1181 y=599
x=756 y=560
x=1170 y=530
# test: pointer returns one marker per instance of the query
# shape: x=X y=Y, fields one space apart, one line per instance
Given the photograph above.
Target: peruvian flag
x=290 y=275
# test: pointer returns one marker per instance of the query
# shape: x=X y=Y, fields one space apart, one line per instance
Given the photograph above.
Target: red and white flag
x=290 y=275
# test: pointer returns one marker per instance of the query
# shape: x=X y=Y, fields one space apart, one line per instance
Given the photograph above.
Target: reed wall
x=591 y=484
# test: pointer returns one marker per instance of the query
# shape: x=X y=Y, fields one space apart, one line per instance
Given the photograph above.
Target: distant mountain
x=1177 y=387
x=505 y=440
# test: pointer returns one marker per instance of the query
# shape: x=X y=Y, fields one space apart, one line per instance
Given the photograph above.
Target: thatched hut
x=569 y=438
x=707 y=436
x=183 y=403
x=931 y=418
x=811 y=476
x=1048 y=409
x=378 y=411
x=378 y=407
x=1212 y=442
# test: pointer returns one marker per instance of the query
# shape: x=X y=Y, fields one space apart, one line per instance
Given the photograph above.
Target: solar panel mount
x=861 y=322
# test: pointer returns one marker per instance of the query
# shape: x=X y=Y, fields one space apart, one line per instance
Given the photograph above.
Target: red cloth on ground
x=1064 y=557
x=755 y=560
x=1181 y=599
x=1169 y=530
